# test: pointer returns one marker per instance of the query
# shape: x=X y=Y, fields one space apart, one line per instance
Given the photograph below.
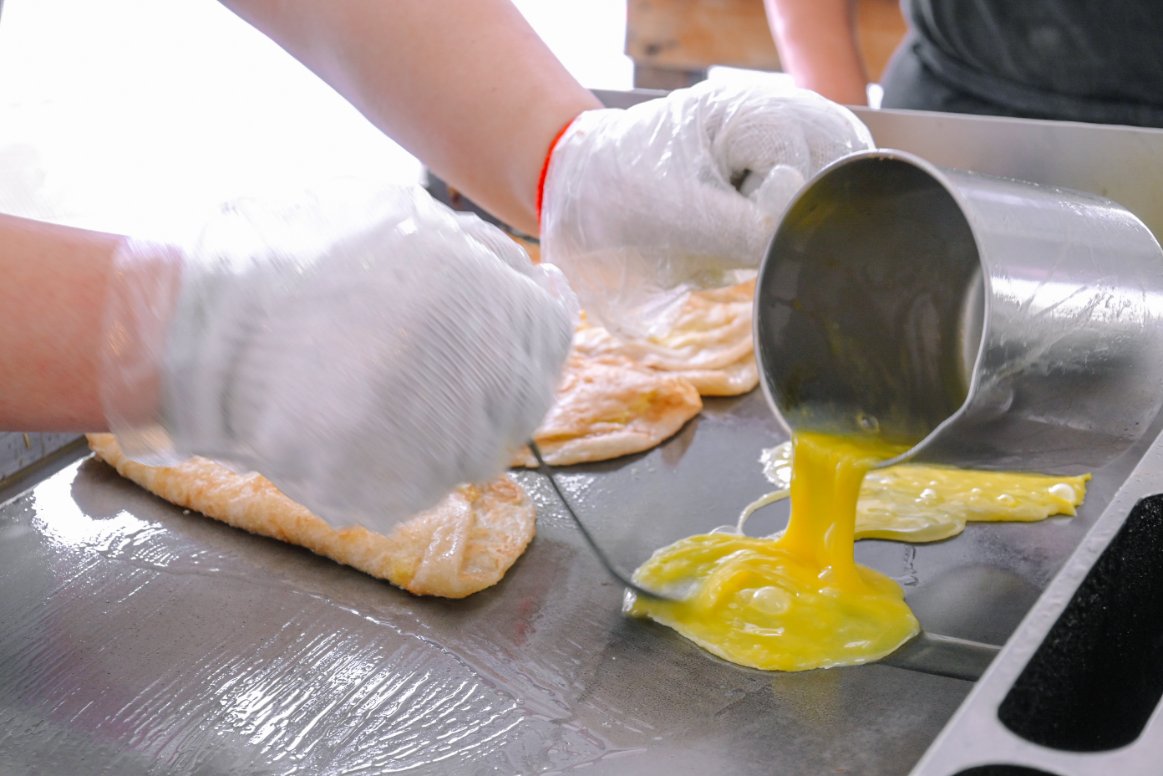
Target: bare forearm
x=52 y=295
x=469 y=88
x=818 y=48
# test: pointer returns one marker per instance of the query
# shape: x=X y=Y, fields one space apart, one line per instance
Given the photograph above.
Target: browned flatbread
x=709 y=343
x=463 y=544
x=607 y=406
x=731 y=380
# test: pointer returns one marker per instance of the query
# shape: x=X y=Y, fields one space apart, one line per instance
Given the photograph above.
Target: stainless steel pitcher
x=986 y=322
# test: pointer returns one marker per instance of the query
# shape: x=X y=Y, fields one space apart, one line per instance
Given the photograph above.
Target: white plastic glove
x=364 y=355
x=641 y=205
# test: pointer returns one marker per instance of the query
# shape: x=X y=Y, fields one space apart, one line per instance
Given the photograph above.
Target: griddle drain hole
x=1003 y=770
x=1096 y=678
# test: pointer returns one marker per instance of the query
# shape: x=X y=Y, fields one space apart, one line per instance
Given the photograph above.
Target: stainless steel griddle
x=137 y=638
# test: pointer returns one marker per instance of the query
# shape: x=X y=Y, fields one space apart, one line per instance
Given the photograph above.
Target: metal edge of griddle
x=1118 y=162
x=1122 y=163
x=52 y=452
x=975 y=736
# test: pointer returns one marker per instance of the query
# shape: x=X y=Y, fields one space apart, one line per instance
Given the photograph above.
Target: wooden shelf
x=674 y=42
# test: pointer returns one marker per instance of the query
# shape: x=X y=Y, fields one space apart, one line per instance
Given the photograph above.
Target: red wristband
x=545 y=167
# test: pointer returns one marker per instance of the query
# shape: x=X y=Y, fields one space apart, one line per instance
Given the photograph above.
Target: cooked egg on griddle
x=922 y=503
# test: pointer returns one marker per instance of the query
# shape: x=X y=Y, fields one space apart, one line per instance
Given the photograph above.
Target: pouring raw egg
x=799 y=600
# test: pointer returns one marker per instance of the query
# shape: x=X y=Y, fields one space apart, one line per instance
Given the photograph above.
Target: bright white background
x=138 y=115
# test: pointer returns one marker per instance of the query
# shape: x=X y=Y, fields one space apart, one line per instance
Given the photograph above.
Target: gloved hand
x=366 y=356
x=641 y=205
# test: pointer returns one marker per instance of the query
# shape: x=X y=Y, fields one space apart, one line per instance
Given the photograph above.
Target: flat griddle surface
x=138 y=638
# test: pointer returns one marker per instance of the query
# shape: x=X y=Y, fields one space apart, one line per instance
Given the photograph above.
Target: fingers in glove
x=547 y=276
x=643 y=204
x=365 y=355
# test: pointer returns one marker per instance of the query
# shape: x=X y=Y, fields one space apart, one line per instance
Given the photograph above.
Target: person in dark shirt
x=1069 y=60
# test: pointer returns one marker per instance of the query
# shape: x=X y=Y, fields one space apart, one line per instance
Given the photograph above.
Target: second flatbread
x=608 y=406
x=710 y=342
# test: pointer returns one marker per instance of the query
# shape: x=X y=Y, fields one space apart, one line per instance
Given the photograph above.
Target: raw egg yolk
x=797 y=601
